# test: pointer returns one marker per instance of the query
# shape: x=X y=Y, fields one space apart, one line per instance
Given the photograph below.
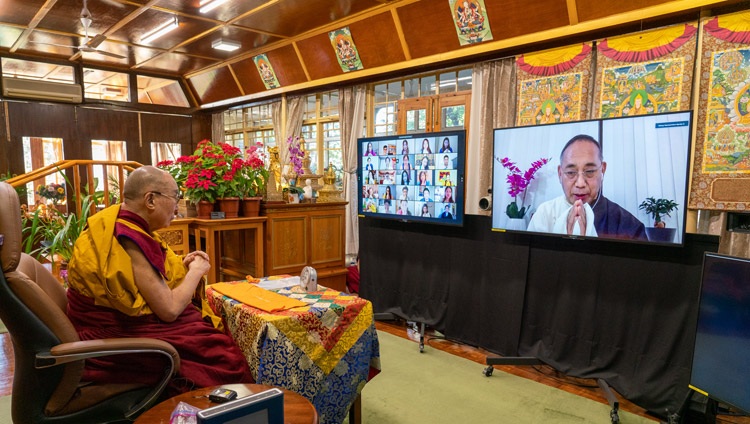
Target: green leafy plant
x=658 y=208
x=21 y=190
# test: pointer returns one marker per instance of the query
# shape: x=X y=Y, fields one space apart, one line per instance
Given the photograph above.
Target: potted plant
x=212 y=177
x=252 y=177
x=518 y=182
x=657 y=208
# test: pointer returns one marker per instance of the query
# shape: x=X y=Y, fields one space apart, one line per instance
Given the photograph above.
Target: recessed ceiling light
x=161 y=30
x=226 y=45
x=209 y=5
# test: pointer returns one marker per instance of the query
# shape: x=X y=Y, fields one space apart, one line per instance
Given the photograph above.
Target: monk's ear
x=604 y=168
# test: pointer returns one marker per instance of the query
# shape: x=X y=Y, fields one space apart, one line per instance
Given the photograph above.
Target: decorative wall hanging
x=266 y=71
x=721 y=172
x=552 y=85
x=346 y=51
x=644 y=73
x=470 y=19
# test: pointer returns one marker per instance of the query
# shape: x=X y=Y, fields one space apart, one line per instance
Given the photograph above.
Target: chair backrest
x=32 y=307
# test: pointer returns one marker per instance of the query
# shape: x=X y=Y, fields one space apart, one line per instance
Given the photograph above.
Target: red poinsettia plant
x=254 y=174
x=212 y=175
x=518 y=182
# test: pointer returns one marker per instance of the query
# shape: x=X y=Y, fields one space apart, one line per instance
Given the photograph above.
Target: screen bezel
x=721 y=260
x=563 y=132
x=459 y=136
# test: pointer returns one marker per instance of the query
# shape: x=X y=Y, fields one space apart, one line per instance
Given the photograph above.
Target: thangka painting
x=266 y=71
x=346 y=51
x=721 y=171
x=553 y=85
x=470 y=19
x=644 y=73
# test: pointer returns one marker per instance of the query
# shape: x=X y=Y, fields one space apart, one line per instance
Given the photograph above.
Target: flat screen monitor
x=573 y=193
x=413 y=178
x=721 y=357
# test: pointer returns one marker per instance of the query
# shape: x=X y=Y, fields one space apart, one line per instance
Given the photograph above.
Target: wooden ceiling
x=391 y=36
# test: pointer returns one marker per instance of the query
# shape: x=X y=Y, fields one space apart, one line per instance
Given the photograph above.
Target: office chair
x=49 y=356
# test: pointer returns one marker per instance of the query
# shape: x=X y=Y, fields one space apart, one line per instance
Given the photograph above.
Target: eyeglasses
x=587 y=173
x=175 y=198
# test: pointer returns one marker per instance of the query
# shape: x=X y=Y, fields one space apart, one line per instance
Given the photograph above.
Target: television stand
x=531 y=360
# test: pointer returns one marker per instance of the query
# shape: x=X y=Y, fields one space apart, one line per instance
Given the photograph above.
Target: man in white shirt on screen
x=582 y=209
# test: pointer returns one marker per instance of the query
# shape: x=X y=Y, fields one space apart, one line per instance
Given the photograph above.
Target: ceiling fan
x=89 y=44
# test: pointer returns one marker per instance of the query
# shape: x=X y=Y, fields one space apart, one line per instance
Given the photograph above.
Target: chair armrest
x=76 y=351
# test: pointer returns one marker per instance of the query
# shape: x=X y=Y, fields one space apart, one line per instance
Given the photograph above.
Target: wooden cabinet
x=177 y=235
x=306 y=234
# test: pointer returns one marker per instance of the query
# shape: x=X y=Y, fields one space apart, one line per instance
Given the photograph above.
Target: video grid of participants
x=412 y=177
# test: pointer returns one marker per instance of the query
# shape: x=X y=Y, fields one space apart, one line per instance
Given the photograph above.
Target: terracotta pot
x=230 y=206
x=204 y=209
x=251 y=206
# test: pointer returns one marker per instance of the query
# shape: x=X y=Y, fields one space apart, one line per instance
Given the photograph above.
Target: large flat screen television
x=577 y=193
x=721 y=357
x=414 y=177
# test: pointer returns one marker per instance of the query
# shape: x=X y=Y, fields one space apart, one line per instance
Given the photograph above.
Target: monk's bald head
x=145 y=179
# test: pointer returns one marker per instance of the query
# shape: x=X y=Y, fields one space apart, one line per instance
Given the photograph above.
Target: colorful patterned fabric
x=326 y=351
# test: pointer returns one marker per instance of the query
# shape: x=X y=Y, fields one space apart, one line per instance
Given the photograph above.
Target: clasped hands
x=577 y=218
x=197 y=259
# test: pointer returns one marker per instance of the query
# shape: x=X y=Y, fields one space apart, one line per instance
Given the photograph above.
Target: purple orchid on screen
x=518 y=182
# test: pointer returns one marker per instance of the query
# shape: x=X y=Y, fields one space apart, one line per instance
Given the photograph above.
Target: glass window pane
x=27 y=69
x=452 y=117
x=411 y=88
x=380 y=93
x=161 y=91
x=329 y=103
x=394 y=90
x=310 y=105
x=464 y=79
x=447 y=82
x=106 y=85
x=427 y=84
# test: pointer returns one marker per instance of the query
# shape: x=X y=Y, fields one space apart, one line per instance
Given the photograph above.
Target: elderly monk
x=124 y=281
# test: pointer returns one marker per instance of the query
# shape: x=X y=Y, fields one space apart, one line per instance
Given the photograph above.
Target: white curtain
x=294 y=111
x=352 y=104
x=493 y=95
x=217 y=127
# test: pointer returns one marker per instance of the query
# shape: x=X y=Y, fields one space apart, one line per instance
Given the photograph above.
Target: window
x=106 y=85
x=39 y=152
x=429 y=102
x=161 y=91
x=321 y=131
x=249 y=125
x=107 y=150
x=165 y=151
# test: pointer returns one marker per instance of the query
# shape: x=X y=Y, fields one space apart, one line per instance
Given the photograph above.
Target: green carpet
x=5 y=410
x=436 y=387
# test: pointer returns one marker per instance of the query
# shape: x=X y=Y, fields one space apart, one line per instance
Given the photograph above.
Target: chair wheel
x=488 y=371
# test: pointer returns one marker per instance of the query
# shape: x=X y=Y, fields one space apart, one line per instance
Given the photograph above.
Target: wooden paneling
x=377 y=40
x=594 y=9
x=327 y=229
x=286 y=65
x=319 y=56
x=165 y=128
x=299 y=235
x=519 y=17
x=428 y=30
x=287 y=238
x=181 y=63
x=248 y=76
x=101 y=124
x=215 y=85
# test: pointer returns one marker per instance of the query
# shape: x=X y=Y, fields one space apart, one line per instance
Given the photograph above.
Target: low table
x=297 y=409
